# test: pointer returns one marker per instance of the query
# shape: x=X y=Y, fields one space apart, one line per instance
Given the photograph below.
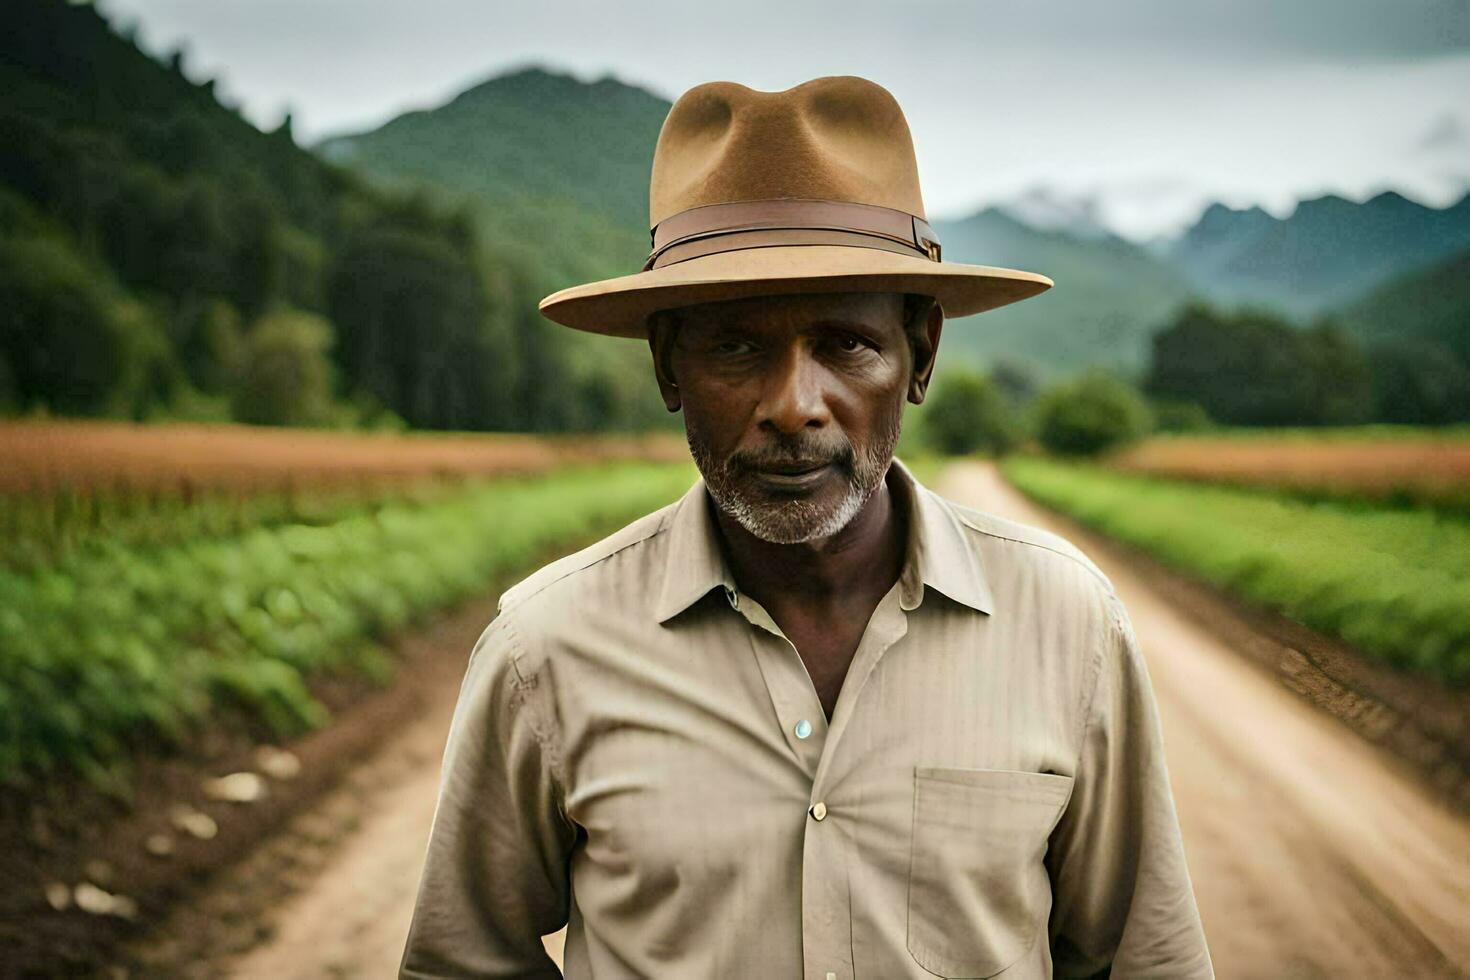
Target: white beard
x=796 y=521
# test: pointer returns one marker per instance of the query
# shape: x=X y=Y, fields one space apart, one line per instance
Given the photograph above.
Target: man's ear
x=661 y=330
x=925 y=345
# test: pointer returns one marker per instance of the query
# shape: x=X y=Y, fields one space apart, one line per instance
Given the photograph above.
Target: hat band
x=714 y=228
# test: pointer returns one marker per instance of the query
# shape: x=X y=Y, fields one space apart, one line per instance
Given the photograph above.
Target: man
x=812 y=720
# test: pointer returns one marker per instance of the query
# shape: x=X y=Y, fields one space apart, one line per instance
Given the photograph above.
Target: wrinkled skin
x=788 y=382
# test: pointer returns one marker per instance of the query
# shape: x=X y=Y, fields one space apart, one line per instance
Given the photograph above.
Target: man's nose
x=794 y=399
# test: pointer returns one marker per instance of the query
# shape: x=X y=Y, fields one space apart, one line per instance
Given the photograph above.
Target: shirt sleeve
x=495 y=877
x=1122 y=902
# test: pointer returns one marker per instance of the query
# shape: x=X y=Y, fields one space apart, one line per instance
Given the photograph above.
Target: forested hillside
x=1110 y=294
x=555 y=173
x=1428 y=306
x=517 y=148
x=161 y=257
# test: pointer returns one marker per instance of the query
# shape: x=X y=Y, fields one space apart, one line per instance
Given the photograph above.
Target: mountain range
x=1328 y=252
x=558 y=168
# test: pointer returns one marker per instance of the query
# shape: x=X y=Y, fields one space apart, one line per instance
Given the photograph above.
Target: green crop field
x=138 y=637
x=1394 y=583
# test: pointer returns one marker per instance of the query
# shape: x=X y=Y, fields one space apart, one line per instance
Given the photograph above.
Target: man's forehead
x=874 y=308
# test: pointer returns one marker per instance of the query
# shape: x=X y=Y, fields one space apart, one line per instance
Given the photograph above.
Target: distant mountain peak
x=1322 y=203
x=1049 y=209
x=519 y=141
x=542 y=76
x=527 y=76
x=1329 y=249
x=1217 y=210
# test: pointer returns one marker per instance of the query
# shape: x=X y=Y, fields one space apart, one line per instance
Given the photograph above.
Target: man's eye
x=732 y=347
x=849 y=345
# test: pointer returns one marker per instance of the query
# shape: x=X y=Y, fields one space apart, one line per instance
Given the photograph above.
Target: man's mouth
x=793 y=468
x=790 y=476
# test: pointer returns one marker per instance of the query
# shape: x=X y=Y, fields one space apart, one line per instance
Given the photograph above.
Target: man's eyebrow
x=841 y=323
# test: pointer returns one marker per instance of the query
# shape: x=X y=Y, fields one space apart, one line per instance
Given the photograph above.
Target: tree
x=1091 y=412
x=286 y=374
x=1016 y=380
x=73 y=340
x=968 y=413
x=1420 y=382
x=1244 y=369
x=1254 y=368
x=414 y=320
x=1180 y=416
x=1339 y=385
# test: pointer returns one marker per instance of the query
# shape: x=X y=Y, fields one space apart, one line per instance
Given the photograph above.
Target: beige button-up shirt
x=639 y=753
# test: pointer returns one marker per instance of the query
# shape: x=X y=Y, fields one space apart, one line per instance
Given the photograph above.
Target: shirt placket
x=793 y=694
x=826 y=900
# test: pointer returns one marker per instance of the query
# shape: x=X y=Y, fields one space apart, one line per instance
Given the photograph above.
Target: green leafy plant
x=1393 y=583
x=117 y=646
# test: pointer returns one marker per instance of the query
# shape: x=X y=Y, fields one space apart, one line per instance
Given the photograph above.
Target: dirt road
x=1312 y=854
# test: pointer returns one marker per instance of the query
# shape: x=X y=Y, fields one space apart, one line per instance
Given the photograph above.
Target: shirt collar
x=938 y=553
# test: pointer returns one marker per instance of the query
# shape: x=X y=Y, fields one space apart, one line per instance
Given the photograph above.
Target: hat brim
x=620 y=307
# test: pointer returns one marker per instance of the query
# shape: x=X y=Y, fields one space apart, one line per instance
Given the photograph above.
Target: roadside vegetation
x=1393 y=583
x=126 y=643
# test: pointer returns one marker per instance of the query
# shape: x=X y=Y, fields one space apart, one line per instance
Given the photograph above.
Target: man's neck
x=861 y=561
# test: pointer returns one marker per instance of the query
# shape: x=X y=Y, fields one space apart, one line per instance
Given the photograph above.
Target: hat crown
x=835 y=138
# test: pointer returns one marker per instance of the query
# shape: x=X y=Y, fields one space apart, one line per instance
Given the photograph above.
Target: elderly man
x=811 y=720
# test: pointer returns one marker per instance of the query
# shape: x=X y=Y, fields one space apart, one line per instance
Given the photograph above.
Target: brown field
x=45 y=455
x=1426 y=470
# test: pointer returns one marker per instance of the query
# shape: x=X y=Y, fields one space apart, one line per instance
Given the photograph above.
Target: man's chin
x=785 y=518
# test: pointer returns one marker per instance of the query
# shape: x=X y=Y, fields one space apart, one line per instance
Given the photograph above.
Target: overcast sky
x=1149 y=107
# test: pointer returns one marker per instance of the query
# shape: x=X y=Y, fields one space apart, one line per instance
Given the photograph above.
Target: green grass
x=1393 y=583
x=117 y=646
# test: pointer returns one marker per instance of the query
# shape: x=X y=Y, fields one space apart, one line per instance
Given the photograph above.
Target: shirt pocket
x=978 y=891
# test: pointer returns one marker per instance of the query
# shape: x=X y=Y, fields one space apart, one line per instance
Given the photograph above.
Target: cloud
x=1448 y=135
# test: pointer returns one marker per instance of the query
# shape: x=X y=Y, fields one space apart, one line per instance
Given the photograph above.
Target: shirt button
x=819 y=810
x=803 y=728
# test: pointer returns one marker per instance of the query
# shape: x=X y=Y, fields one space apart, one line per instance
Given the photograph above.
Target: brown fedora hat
x=811 y=189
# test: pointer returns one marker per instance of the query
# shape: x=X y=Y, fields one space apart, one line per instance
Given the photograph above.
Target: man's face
x=792 y=404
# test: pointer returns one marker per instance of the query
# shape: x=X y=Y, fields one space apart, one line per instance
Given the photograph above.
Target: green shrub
x=1090 y=413
x=1393 y=583
x=72 y=340
x=115 y=647
x=968 y=412
x=1172 y=415
x=285 y=374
